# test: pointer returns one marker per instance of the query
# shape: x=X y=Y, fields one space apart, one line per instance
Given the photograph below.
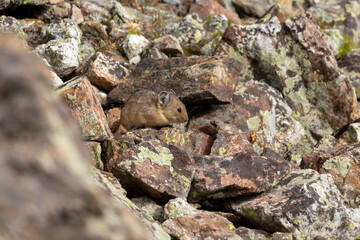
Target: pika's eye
x=179 y=110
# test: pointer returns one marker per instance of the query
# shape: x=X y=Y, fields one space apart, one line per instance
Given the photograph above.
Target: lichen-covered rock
x=55 y=196
x=194 y=80
x=63 y=29
x=258 y=8
x=342 y=162
x=11 y=25
x=305 y=203
x=265 y=117
x=200 y=225
x=86 y=108
x=51 y=12
x=294 y=57
x=161 y=171
x=168 y=45
x=178 y=207
x=98 y=11
x=339 y=14
x=62 y=52
x=235 y=175
x=133 y=46
x=206 y=8
x=254 y=234
x=95 y=154
x=106 y=71
x=15 y=3
x=149 y=206
x=190 y=30
x=152 y=229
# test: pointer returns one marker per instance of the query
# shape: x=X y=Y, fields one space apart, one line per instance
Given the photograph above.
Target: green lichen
x=162 y=157
x=246 y=73
x=231 y=226
x=253 y=123
x=340 y=164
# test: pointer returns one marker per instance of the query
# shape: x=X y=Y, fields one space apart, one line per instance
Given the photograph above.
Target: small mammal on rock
x=148 y=109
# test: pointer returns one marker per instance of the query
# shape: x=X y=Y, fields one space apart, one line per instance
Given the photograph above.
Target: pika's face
x=172 y=108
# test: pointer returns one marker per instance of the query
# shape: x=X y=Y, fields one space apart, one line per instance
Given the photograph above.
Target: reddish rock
x=113 y=118
x=235 y=175
x=228 y=143
x=195 y=80
x=95 y=154
x=256 y=111
x=159 y=170
x=206 y=8
x=86 y=108
x=169 y=45
x=295 y=58
x=106 y=71
x=201 y=225
x=342 y=162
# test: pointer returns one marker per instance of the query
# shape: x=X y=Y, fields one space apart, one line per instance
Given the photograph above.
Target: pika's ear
x=163 y=98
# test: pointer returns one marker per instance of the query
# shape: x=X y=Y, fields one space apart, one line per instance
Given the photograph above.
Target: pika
x=147 y=109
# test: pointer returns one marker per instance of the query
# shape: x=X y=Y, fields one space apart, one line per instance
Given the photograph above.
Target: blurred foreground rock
x=55 y=196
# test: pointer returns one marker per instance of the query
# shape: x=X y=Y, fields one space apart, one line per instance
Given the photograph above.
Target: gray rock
x=305 y=203
x=133 y=46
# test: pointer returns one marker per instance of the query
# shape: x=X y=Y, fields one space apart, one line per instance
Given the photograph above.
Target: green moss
x=347 y=45
x=231 y=226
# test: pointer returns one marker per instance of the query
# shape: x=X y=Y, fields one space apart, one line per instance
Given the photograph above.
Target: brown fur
x=145 y=109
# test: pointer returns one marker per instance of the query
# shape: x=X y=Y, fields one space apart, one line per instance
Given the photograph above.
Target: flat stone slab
x=195 y=80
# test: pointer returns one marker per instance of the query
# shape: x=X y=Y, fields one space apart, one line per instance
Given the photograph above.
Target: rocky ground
x=271 y=150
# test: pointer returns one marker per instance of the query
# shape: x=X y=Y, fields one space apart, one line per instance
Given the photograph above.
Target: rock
x=86 y=108
x=229 y=143
x=354 y=132
x=247 y=233
x=113 y=148
x=159 y=170
x=200 y=225
x=93 y=10
x=294 y=57
x=63 y=29
x=63 y=52
x=54 y=193
x=51 y=11
x=113 y=118
x=101 y=96
x=235 y=175
x=169 y=45
x=150 y=207
x=76 y=14
x=342 y=162
x=15 y=3
x=350 y=62
x=342 y=15
x=11 y=25
x=262 y=111
x=178 y=207
x=54 y=78
x=153 y=229
x=259 y=8
x=95 y=154
x=206 y=8
x=62 y=55
x=303 y=202
x=190 y=30
x=195 y=80
x=106 y=71
x=133 y=46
